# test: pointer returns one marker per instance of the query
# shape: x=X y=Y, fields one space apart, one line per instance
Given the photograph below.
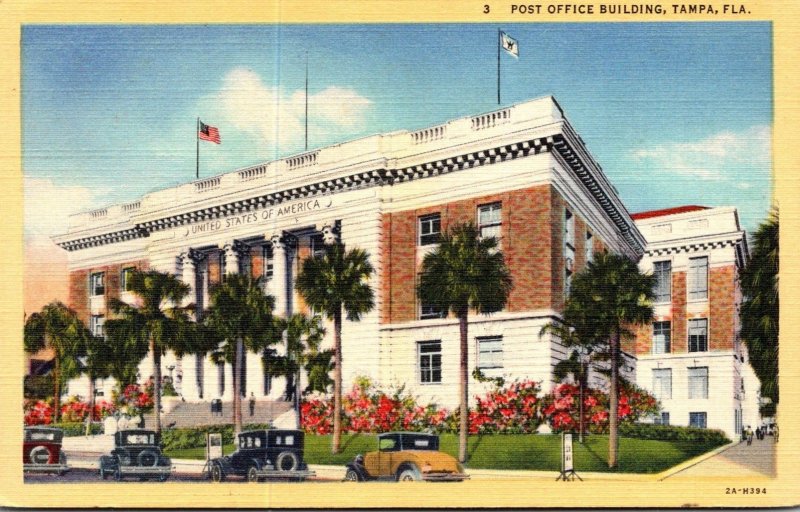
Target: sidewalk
x=737 y=460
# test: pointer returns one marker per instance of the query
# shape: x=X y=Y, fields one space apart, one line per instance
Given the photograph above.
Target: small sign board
x=567 y=454
x=213 y=445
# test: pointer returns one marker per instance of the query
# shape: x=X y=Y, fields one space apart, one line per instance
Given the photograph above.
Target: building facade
x=521 y=174
x=691 y=357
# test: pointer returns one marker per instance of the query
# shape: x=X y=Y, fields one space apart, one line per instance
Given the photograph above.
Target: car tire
x=287 y=461
x=40 y=455
x=351 y=475
x=103 y=474
x=62 y=460
x=163 y=478
x=252 y=474
x=147 y=458
x=216 y=473
x=409 y=474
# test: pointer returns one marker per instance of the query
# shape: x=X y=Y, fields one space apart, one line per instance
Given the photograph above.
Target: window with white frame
x=662 y=383
x=221 y=378
x=318 y=247
x=662 y=271
x=698 y=278
x=569 y=250
x=97 y=284
x=267 y=381
x=428 y=311
x=697 y=419
x=698 y=335
x=661 y=419
x=569 y=228
x=661 y=337
x=97 y=325
x=268 y=270
x=490 y=352
x=430 y=362
x=490 y=220
x=430 y=229
x=589 y=247
x=698 y=382
x=125 y=278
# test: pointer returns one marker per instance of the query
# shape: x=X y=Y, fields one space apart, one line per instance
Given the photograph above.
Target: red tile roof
x=667 y=211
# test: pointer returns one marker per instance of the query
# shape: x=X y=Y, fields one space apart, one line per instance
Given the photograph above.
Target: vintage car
x=136 y=453
x=263 y=454
x=406 y=456
x=41 y=451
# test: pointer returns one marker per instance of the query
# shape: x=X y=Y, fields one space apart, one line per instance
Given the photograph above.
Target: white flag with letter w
x=509 y=44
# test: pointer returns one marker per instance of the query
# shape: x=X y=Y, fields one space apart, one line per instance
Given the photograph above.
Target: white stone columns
x=279 y=273
x=190 y=371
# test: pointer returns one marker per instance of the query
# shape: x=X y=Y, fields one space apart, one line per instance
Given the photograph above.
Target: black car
x=136 y=453
x=263 y=454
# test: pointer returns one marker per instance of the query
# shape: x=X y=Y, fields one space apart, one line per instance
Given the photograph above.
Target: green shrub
x=74 y=429
x=673 y=433
x=38 y=386
x=195 y=437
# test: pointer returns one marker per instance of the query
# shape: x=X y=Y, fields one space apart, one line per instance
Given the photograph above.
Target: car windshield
x=420 y=442
x=41 y=435
x=140 y=439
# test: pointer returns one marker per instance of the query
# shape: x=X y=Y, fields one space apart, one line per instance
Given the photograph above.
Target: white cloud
x=47 y=208
x=713 y=158
x=277 y=118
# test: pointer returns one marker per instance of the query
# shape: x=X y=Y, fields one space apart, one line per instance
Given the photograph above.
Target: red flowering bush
x=561 y=407
x=135 y=399
x=367 y=409
x=40 y=412
x=511 y=409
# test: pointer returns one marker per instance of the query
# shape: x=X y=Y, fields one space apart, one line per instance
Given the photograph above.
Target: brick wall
x=679 y=337
x=532 y=243
x=721 y=290
x=79 y=286
x=79 y=293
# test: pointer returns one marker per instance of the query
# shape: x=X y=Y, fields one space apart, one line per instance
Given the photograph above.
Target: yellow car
x=406 y=456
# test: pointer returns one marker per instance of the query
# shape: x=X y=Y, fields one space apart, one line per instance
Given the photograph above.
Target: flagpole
x=499 y=44
x=306 y=100
x=197 y=140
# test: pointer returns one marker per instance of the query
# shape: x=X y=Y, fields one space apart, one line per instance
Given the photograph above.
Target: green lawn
x=533 y=452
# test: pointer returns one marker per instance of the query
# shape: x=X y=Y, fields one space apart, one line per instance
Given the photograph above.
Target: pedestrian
x=252 y=404
x=775 y=432
x=749 y=435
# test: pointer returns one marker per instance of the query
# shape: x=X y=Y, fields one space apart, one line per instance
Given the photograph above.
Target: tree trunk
x=237 y=387
x=91 y=405
x=56 y=389
x=580 y=408
x=156 y=383
x=337 y=382
x=463 y=428
x=613 y=399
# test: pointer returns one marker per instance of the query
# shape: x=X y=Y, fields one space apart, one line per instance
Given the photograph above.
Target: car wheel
x=216 y=473
x=147 y=458
x=163 y=478
x=409 y=474
x=351 y=476
x=287 y=461
x=103 y=474
x=252 y=474
x=40 y=455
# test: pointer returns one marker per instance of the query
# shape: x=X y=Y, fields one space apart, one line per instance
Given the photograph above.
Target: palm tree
x=160 y=320
x=465 y=272
x=126 y=345
x=335 y=283
x=759 y=311
x=240 y=316
x=96 y=366
x=58 y=328
x=606 y=298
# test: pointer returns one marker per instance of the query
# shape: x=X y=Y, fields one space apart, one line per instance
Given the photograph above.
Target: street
x=92 y=475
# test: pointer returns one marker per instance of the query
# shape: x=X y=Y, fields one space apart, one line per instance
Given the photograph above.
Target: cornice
x=377 y=178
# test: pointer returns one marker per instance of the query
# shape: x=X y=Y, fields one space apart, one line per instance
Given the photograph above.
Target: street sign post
x=567 y=467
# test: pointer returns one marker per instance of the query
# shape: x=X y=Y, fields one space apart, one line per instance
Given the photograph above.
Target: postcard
x=381 y=255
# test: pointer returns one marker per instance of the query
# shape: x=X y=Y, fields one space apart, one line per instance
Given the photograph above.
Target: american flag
x=209 y=133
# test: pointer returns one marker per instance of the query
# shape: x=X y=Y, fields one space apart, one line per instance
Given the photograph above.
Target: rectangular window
x=430 y=362
x=268 y=270
x=569 y=228
x=698 y=278
x=318 y=247
x=589 y=247
x=662 y=383
x=125 y=285
x=97 y=325
x=221 y=378
x=267 y=382
x=430 y=311
x=489 y=220
x=698 y=382
x=96 y=284
x=661 y=337
x=661 y=419
x=662 y=271
x=697 y=419
x=490 y=352
x=569 y=250
x=430 y=228
x=698 y=335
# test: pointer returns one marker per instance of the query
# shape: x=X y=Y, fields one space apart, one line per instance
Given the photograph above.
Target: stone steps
x=189 y=414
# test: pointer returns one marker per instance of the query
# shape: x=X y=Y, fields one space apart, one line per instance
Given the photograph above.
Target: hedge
x=75 y=429
x=181 y=438
x=673 y=433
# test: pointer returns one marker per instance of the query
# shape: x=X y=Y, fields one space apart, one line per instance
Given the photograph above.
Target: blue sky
x=675 y=113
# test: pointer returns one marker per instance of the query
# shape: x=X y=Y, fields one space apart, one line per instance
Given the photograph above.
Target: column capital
x=331 y=231
x=191 y=256
x=235 y=248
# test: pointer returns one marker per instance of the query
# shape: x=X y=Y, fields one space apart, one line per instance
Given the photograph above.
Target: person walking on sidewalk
x=252 y=404
x=749 y=432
